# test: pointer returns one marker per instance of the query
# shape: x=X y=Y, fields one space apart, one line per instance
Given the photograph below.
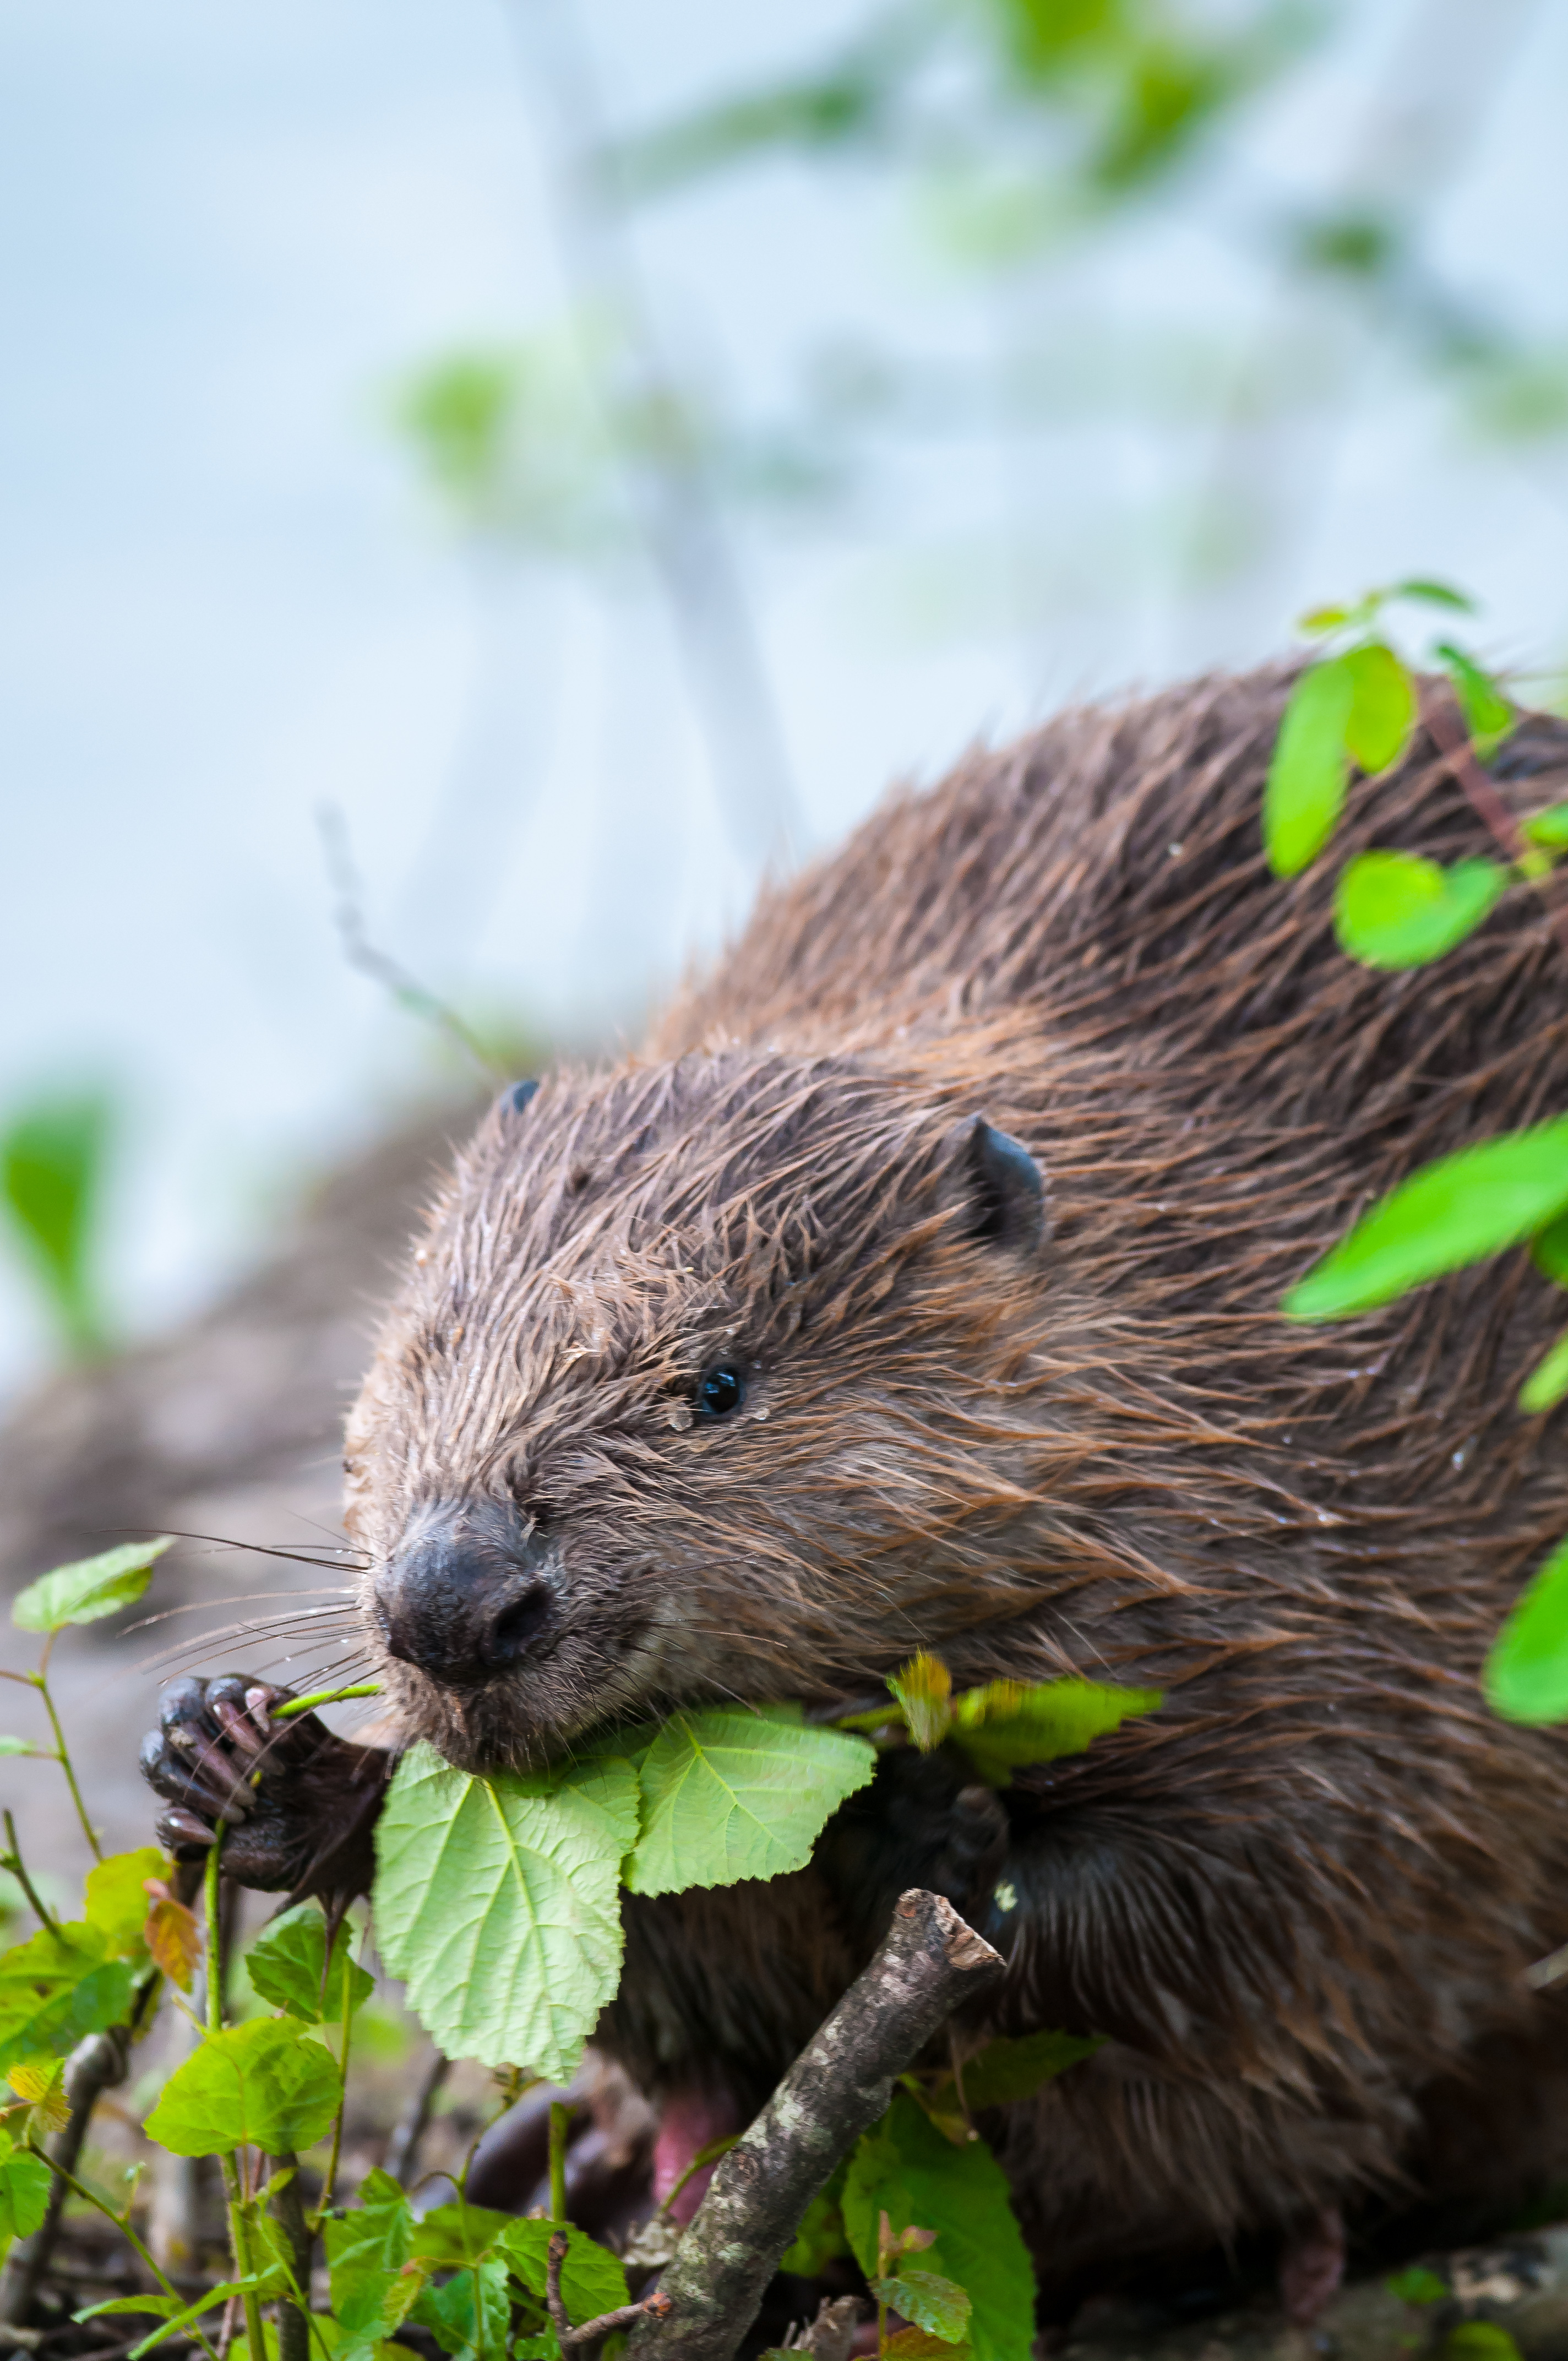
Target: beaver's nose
x=467 y=1595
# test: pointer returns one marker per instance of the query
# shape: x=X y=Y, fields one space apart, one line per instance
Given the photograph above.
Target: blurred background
x=482 y=483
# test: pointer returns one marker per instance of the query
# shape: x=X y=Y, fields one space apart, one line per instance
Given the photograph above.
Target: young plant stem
x=62 y=1752
x=24 y=1880
x=122 y=2224
x=238 y=2237
x=325 y=1696
x=560 y=2118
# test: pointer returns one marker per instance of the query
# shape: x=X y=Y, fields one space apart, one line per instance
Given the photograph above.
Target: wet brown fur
x=1300 y=1898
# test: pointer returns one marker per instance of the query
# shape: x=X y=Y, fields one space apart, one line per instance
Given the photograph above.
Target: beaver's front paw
x=298 y=1803
x=919 y=1823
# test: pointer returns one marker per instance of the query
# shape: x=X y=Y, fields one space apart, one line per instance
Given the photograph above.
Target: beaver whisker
x=244 y=1598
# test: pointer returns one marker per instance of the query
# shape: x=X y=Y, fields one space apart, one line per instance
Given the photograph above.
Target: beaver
x=917 y=1286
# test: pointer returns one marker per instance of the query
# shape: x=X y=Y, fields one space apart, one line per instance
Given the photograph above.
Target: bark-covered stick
x=838 y=2086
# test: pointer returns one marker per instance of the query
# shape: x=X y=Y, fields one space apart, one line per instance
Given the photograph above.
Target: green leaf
x=1397 y=910
x=450 y=2236
x=1548 y=1382
x=287 y=1964
x=820 y=2238
x=57 y=1988
x=116 y=1897
x=1488 y=716
x=265 y=2283
x=731 y=1795
x=498 y=1902
x=1549 y=829
x=919 y=2345
x=1478 y=2340
x=266 y=2082
x=163 y=2306
x=52 y=1160
x=924 y=1687
x=1526 y=1678
x=1323 y=619
x=1305 y=789
x=469 y=2316
x=1382 y=706
x=932 y=2302
x=89 y=1587
x=1549 y=1250
x=1008 y=1723
x=24 y=2194
x=366 y=2250
x=1434 y=594
x=20 y=1746
x=907 y=2170
x=1008 y=2070
x=592 y=2279
x=1418 y=2285
x=1457 y=1211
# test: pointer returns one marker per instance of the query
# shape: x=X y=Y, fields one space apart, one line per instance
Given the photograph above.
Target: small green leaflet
x=731 y=1795
x=1549 y=829
x=20 y=1746
x=287 y=1963
x=1434 y=594
x=1548 y=1382
x=1488 y=716
x=1306 y=774
x=116 y=1900
x=905 y=2168
x=498 y=1902
x=92 y=1586
x=1397 y=910
x=1549 y=1251
x=1526 y=1678
x=1008 y=2070
x=366 y=2250
x=24 y=2191
x=266 y=2082
x=1382 y=706
x=1457 y=1211
x=1418 y=2285
x=58 y=1987
x=932 y=2302
x=1006 y=1724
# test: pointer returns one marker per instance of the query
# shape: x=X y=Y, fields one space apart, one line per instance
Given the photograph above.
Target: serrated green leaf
x=924 y=1690
x=287 y=1965
x=1549 y=829
x=57 y=1988
x=366 y=2250
x=592 y=2278
x=938 y=2305
x=1434 y=594
x=498 y=1902
x=726 y=1796
x=1460 y=1209
x=1526 y=1678
x=1305 y=790
x=905 y=2168
x=24 y=2195
x=470 y=2315
x=265 y=2083
x=1488 y=716
x=89 y=1587
x=1006 y=2071
x=1008 y=1724
x=1549 y=1251
x=116 y=1900
x=1548 y=1382
x=1382 y=706
x=1397 y=910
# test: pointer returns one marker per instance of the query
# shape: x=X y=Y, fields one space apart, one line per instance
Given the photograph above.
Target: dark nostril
x=517 y=1627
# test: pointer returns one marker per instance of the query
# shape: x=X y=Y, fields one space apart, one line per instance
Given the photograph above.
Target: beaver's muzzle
x=467 y=1595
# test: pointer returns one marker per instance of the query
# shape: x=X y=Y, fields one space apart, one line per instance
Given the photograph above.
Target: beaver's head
x=704 y=1382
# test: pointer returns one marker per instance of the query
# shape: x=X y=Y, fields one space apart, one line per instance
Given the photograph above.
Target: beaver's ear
x=1004 y=1188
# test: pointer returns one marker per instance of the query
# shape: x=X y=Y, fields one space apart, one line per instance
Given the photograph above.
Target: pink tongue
x=691 y=2120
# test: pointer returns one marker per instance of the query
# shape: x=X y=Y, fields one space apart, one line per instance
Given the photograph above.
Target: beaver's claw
x=298 y=1803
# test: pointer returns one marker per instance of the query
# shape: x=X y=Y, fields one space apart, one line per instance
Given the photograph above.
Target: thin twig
x=378 y=965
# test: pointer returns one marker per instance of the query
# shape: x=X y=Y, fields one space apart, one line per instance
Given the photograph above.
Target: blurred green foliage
x=53 y=1159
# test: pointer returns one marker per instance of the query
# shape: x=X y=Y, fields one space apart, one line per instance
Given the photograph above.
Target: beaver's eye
x=719 y=1391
